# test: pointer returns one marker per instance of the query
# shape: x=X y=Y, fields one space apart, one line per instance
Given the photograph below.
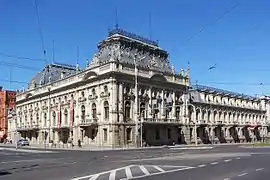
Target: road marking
x=259 y=169
x=214 y=163
x=94 y=177
x=144 y=170
x=89 y=176
x=153 y=174
x=128 y=172
x=227 y=178
x=159 y=169
x=227 y=160
x=112 y=175
x=238 y=158
x=239 y=175
x=202 y=165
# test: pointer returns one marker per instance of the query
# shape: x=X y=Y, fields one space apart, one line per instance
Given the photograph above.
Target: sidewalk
x=95 y=148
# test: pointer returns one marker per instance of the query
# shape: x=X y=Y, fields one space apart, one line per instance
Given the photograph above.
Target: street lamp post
x=136 y=96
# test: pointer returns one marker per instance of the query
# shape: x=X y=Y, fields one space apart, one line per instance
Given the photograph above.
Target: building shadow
x=246 y=134
x=257 y=134
x=234 y=134
x=220 y=134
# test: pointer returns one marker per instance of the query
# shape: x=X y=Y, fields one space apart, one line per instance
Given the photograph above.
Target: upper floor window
x=83 y=112
x=177 y=113
x=127 y=110
x=54 y=118
x=66 y=116
x=106 y=110
x=94 y=110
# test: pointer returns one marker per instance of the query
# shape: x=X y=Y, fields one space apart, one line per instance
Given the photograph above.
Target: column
x=121 y=102
x=173 y=106
x=162 y=105
x=150 y=107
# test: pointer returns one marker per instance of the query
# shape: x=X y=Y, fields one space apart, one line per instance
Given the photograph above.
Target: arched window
x=83 y=112
x=37 y=117
x=94 y=110
x=127 y=110
x=177 y=113
x=66 y=116
x=105 y=89
x=45 y=119
x=106 y=110
x=54 y=118
x=142 y=110
x=31 y=119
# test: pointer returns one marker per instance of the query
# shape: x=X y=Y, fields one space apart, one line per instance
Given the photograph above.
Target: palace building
x=129 y=95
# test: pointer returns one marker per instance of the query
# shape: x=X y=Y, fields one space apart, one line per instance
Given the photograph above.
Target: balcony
x=161 y=121
x=88 y=122
x=28 y=127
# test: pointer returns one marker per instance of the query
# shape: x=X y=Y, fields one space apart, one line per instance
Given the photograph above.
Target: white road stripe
x=159 y=169
x=202 y=165
x=238 y=158
x=144 y=170
x=112 y=175
x=128 y=172
x=94 y=177
x=259 y=169
x=152 y=174
x=214 y=163
x=227 y=160
x=242 y=174
x=227 y=178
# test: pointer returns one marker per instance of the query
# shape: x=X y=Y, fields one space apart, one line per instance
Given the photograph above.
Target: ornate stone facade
x=103 y=106
x=224 y=116
x=98 y=104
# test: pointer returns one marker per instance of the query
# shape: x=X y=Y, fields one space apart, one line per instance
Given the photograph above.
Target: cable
x=224 y=14
x=20 y=57
x=40 y=30
x=13 y=81
x=233 y=83
x=3 y=63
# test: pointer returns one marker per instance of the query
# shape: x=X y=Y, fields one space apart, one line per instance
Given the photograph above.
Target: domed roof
x=51 y=73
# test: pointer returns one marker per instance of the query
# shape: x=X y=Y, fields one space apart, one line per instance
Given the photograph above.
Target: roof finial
x=77 y=62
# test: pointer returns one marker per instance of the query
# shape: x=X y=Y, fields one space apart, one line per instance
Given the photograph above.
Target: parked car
x=23 y=142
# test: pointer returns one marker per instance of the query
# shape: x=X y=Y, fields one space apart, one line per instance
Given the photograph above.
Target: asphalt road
x=219 y=163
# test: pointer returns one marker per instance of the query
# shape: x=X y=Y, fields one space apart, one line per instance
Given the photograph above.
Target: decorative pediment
x=89 y=74
x=158 y=77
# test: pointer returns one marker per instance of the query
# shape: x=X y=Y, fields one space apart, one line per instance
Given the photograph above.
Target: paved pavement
x=224 y=163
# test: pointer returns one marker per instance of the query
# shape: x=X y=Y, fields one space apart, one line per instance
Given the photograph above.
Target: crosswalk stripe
x=159 y=169
x=94 y=177
x=112 y=175
x=144 y=170
x=128 y=172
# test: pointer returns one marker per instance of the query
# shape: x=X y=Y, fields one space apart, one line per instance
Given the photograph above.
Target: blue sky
x=232 y=34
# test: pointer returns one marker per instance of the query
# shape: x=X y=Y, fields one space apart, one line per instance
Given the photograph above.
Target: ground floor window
x=128 y=134
x=105 y=135
x=157 y=134
x=169 y=133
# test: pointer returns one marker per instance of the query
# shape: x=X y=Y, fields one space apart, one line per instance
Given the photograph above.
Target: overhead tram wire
x=3 y=63
x=232 y=83
x=218 y=18
x=13 y=81
x=40 y=32
x=20 y=57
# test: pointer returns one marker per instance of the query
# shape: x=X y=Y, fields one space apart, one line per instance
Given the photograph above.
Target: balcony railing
x=88 y=122
x=27 y=127
x=162 y=121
